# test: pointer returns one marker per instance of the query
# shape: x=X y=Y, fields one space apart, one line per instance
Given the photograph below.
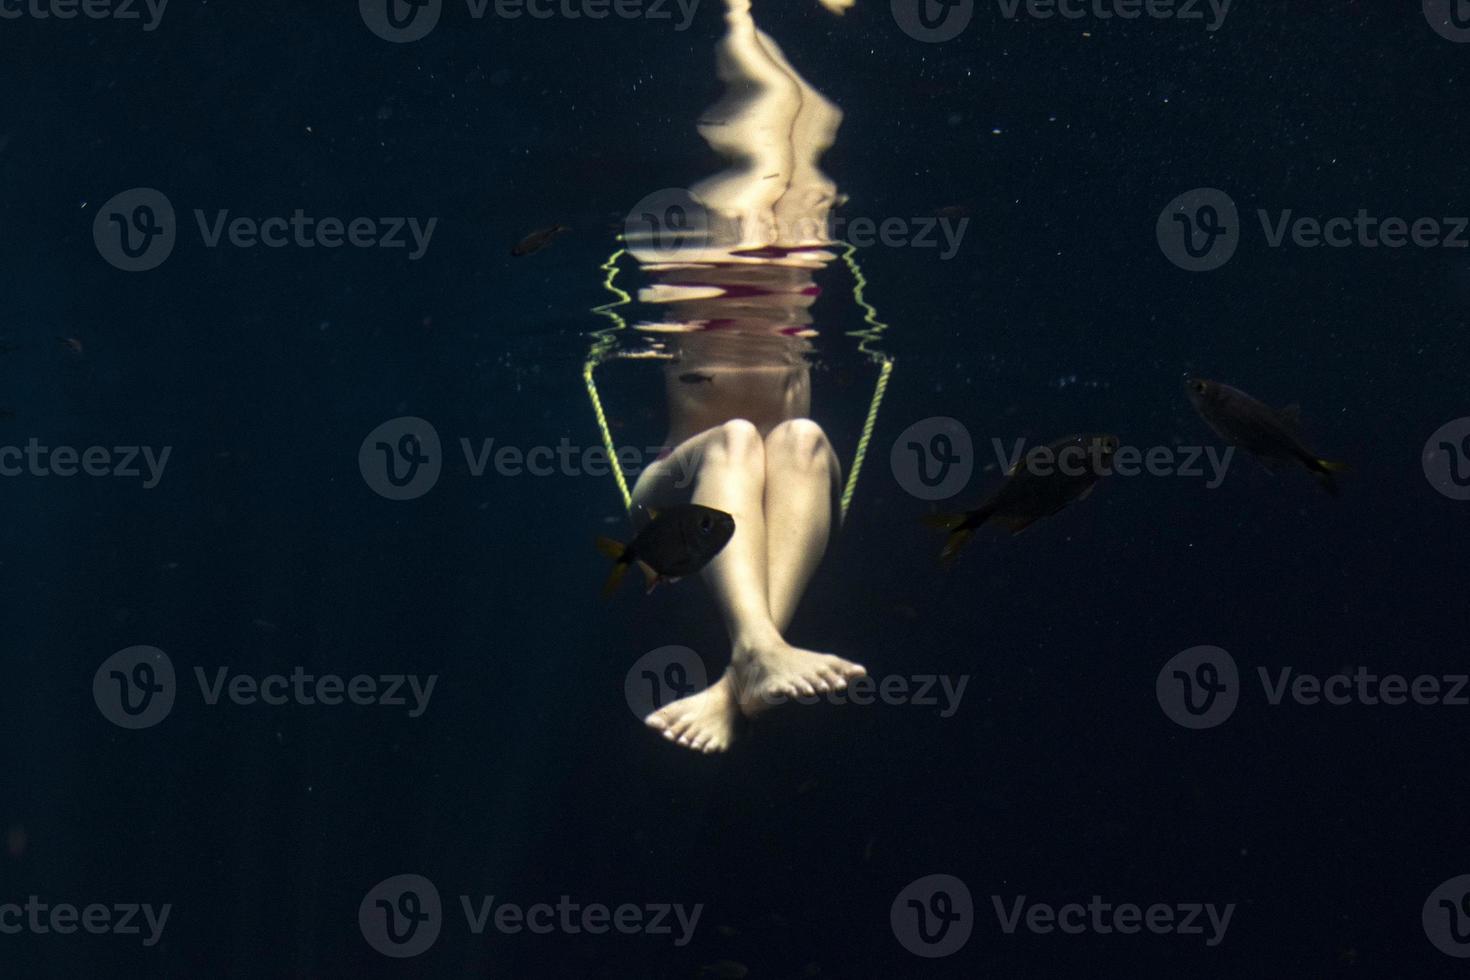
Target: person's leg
x=730 y=468
x=802 y=474
x=724 y=468
x=801 y=470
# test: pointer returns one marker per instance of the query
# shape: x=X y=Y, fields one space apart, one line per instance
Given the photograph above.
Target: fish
x=677 y=541
x=72 y=344
x=537 y=240
x=1271 y=435
x=1045 y=481
x=724 y=970
x=694 y=378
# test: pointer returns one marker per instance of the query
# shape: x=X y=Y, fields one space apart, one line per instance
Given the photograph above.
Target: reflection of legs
x=801 y=475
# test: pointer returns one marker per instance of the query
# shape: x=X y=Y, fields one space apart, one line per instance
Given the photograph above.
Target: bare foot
x=770 y=674
x=704 y=722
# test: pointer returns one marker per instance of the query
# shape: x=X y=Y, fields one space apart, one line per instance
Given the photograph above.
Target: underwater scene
x=734 y=489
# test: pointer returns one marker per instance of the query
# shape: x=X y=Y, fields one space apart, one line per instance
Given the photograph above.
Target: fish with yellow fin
x=677 y=541
x=1270 y=435
x=1046 y=480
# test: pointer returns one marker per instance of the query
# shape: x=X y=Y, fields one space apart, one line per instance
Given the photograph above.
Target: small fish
x=1271 y=436
x=694 y=378
x=677 y=541
x=537 y=240
x=1046 y=480
x=72 y=344
x=8 y=348
x=724 y=970
x=6 y=414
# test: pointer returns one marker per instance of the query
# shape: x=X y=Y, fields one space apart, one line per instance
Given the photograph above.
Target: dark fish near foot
x=694 y=377
x=1270 y=435
x=1046 y=480
x=676 y=542
x=537 y=240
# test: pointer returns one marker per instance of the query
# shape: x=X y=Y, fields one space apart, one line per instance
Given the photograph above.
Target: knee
x=736 y=439
x=799 y=442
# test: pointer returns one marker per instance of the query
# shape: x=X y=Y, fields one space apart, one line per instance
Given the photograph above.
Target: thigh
x=669 y=480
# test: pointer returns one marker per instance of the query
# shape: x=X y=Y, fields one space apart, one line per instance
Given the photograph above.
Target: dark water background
x=528 y=778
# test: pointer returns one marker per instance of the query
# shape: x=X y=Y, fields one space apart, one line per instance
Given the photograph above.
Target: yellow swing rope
x=604 y=343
